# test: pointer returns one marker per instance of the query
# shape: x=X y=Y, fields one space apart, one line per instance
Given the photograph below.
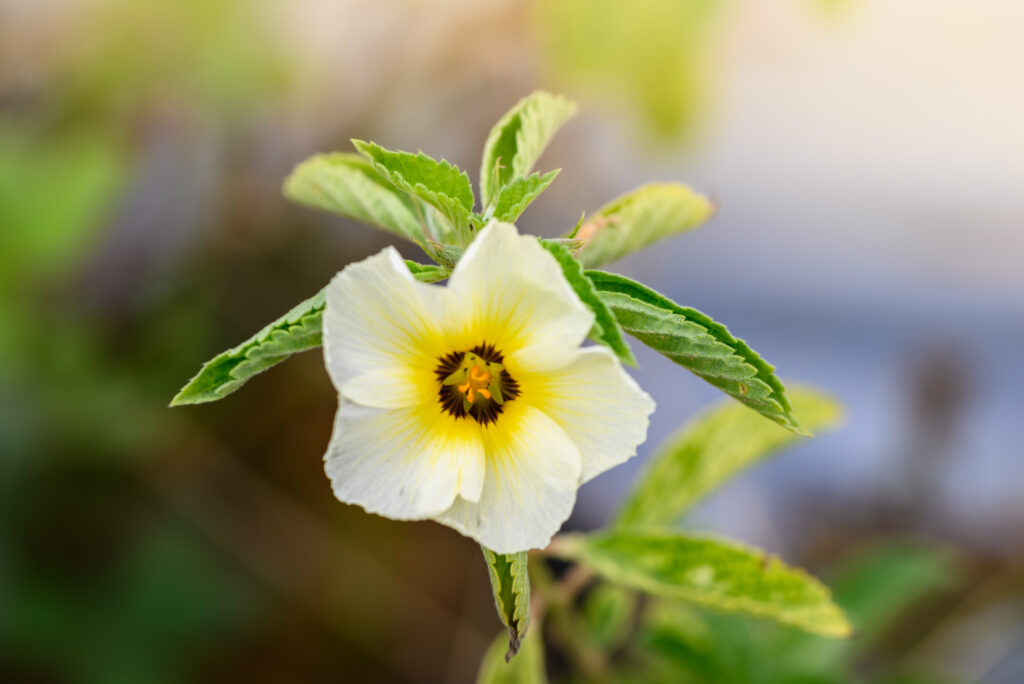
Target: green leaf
x=347 y=185
x=517 y=195
x=297 y=331
x=712 y=448
x=528 y=668
x=428 y=273
x=718 y=574
x=640 y=218
x=438 y=183
x=518 y=139
x=697 y=343
x=606 y=328
x=510 y=583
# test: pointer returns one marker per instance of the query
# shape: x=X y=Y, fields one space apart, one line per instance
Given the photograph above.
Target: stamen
x=475 y=383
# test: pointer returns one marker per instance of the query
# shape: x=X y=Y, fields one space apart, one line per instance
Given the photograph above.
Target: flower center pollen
x=475 y=384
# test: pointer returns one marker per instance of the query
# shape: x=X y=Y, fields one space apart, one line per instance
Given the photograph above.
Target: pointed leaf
x=510 y=583
x=526 y=668
x=517 y=195
x=697 y=343
x=438 y=183
x=297 y=331
x=640 y=218
x=606 y=328
x=718 y=574
x=347 y=185
x=518 y=139
x=712 y=448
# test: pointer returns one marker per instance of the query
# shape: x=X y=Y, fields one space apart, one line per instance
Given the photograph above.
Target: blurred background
x=867 y=160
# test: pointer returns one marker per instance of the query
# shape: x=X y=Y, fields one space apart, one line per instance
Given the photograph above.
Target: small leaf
x=640 y=218
x=347 y=185
x=297 y=331
x=712 y=448
x=438 y=183
x=718 y=574
x=518 y=139
x=527 y=668
x=427 y=273
x=606 y=328
x=517 y=195
x=697 y=343
x=510 y=583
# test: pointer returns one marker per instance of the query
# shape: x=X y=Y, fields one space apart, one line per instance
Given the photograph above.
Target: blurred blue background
x=866 y=159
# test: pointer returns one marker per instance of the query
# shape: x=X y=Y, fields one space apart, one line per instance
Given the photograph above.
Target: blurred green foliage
x=211 y=56
x=653 y=54
x=875 y=586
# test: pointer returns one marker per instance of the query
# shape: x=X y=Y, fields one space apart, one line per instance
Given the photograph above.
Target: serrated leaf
x=718 y=574
x=640 y=218
x=606 y=328
x=519 y=138
x=526 y=668
x=510 y=584
x=518 y=194
x=712 y=448
x=699 y=344
x=297 y=331
x=439 y=183
x=347 y=185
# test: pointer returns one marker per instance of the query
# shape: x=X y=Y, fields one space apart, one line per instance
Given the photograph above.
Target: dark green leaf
x=518 y=139
x=518 y=194
x=639 y=218
x=697 y=343
x=717 y=574
x=510 y=583
x=438 y=183
x=347 y=185
x=711 y=449
x=606 y=329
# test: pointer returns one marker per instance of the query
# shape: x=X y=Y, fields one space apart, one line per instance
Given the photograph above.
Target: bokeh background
x=867 y=160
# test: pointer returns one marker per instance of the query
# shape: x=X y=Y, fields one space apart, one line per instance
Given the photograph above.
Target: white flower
x=473 y=404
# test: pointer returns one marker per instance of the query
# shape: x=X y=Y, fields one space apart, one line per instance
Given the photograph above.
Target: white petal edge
x=381 y=334
x=405 y=464
x=510 y=291
x=529 y=490
x=599 y=406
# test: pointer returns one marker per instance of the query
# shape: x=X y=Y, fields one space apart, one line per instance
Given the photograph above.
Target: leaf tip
x=514 y=642
x=363 y=146
x=184 y=398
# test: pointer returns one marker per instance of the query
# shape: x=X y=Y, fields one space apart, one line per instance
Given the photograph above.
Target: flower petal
x=406 y=464
x=529 y=489
x=381 y=332
x=509 y=291
x=598 y=404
